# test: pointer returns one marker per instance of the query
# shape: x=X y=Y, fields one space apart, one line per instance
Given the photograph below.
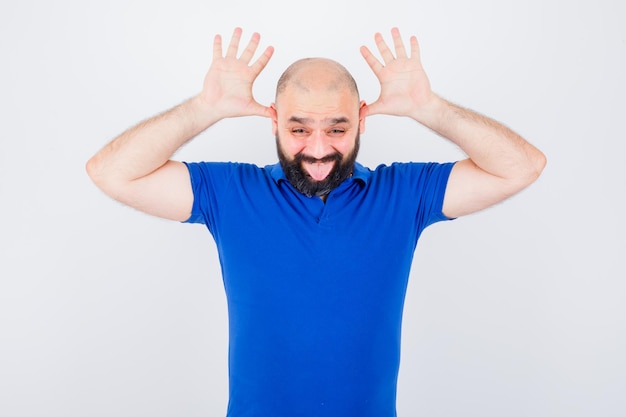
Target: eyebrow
x=328 y=120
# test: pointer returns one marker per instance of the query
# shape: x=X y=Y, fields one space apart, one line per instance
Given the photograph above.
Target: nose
x=319 y=145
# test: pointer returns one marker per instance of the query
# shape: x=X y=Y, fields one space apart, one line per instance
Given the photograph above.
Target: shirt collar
x=360 y=173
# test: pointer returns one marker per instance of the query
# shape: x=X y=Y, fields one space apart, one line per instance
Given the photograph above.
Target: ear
x=362 y=115
x=274 y=117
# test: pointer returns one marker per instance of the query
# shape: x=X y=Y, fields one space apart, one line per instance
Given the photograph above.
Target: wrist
x=204 y=112
x=429 y=110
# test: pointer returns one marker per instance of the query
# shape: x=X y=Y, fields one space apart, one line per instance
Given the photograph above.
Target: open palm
x=404 y=86
x=228 y=83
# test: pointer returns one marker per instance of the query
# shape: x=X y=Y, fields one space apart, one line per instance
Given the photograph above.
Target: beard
x=302 y=181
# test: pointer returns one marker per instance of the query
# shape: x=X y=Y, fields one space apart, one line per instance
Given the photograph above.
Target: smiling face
x=317 y=120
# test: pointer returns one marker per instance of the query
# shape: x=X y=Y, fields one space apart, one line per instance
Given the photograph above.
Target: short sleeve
x=435 y=190
x=209 y=180
x=426 y=184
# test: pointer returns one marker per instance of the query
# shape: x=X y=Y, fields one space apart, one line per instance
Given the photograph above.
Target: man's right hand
x=227 y=90
x=135 y=168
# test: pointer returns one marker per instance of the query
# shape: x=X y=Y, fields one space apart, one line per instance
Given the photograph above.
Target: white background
x=517 y=311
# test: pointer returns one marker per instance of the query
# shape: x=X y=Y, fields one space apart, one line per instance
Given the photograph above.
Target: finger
x=415 y=49
x=371 y=60
x=254 y=108
x=373 y=109
x=262 y=61
x=234 y=43
x=261 y=110
x=217 y=47
x=398 y=44
x=383 y=48
x=248 y=53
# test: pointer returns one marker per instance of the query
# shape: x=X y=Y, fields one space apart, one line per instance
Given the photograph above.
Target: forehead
x=331 y=105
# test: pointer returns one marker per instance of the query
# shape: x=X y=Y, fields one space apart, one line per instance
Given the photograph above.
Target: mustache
x=300 y=157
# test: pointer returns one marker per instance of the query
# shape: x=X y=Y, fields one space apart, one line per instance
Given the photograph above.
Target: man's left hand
x=404 y=86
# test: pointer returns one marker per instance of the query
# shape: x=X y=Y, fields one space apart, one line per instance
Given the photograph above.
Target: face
x=317 y=136
x=301 y=178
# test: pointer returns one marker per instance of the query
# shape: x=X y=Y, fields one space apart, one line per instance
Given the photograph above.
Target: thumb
x=373 y=108
x=257 y=109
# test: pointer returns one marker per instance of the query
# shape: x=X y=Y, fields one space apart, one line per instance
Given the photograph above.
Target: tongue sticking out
x=319 y=170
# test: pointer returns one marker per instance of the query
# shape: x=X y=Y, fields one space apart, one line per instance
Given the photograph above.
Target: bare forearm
x=150 y=144
x=492 y=146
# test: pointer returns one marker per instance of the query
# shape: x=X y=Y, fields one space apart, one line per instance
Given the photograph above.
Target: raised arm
x=500 y=162
x=135 y=168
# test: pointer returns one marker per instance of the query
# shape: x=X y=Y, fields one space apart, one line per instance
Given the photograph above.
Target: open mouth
x=318 y=170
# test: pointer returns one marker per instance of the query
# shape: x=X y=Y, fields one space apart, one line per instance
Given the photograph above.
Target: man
x=316 y=250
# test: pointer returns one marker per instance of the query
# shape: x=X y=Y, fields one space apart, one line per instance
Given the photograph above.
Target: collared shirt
x=315 y=290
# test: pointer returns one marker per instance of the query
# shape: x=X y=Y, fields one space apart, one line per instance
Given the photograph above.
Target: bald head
x=316 y=74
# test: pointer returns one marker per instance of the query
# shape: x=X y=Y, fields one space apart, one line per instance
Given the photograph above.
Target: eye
x=336 y=131
x=298 y=131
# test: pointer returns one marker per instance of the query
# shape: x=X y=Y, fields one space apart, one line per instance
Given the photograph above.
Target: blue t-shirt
x=315 y=290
